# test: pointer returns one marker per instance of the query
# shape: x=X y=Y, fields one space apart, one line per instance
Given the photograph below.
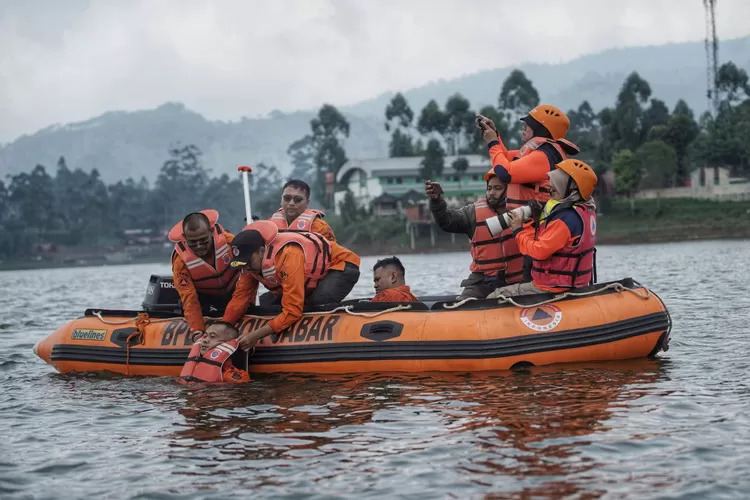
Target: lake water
x=674 y=427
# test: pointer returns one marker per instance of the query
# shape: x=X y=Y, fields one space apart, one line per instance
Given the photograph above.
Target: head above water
x=197 y=231
x=295 y=196
x=388 y=273
x=217 y=333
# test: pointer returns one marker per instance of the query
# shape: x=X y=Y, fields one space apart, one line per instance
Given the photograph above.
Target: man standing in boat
x=525 y=170
x=298 y=268
x=294 y=214
x=495 y=260
x=201 y=267
x=562 y=243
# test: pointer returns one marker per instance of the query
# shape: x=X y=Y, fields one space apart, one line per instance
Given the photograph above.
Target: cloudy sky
x=68 y=60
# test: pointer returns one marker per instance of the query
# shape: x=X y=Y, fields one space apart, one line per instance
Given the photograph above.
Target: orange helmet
x=552 y=118
x=489 y=175
x=582 y=174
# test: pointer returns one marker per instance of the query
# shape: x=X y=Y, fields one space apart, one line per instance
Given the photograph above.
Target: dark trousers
x=216 y=303
x=331 y=289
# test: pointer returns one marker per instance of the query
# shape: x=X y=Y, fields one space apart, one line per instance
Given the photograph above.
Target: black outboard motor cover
x=161 y=295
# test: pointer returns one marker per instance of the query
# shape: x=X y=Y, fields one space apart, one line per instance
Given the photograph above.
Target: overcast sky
x=69 y=60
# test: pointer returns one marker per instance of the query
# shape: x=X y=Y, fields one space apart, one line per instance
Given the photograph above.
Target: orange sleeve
x=340 y=256
x=530 y=169
x=290 y=268
x=498 y=149
x=321 y=227
x=244 y=294
x=229 y=237
x=396 y=294
x=183 y=283
x=555 y=237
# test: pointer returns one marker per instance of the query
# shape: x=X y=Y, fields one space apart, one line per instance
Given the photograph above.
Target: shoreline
x=648 y=237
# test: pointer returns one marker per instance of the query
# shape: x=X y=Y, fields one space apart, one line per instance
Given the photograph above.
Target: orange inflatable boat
x=608 y=321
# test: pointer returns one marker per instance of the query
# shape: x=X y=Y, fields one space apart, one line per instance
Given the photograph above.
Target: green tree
x=460 y=124
x=399 y=117
x=658 y=165
x=584 y=130
x=681 y=108
x=181 y=183
x=329 y=129
x=302 y=154
x=732 y=83
x=432 y=120
x=460 y=165
x=679 y=132
x=398 y=114
x=31 y=198
x=626 y=128
x=401 y=145
x=517 y=97
x=657 y=114
x=433 y=162
x=627 y=170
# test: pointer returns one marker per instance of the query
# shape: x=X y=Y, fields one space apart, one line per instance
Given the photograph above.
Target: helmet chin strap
x=568 y=188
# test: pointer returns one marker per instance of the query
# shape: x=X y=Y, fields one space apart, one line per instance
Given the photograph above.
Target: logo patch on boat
x=89 y=334
x=542 y=318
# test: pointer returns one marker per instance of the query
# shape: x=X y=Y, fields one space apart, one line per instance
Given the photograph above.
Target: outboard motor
x=161 y=295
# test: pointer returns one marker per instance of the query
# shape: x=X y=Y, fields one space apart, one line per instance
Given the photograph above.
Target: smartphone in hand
x=436 y=188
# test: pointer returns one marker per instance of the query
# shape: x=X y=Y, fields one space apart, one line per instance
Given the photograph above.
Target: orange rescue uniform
x=395 y=294
x=290 y=266
x=183 y=283
x=302 y=223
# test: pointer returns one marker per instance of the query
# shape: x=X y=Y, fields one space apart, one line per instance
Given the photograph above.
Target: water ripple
x=675 y=427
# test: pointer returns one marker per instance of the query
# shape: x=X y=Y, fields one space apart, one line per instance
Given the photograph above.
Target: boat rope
x=348 y=310
x=128 y=321
x=141 y=322
x=618 y=287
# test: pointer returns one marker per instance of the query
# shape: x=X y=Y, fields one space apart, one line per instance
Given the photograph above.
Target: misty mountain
x=121 y=144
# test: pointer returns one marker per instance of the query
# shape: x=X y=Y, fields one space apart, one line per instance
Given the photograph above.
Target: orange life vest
x=520 y=194
x=303 y=222
x=489 y=254
x=572 y=266
x=211 y=280
x=317 y=258
x=210 y=366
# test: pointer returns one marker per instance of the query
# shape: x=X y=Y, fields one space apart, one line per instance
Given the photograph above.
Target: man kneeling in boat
x=562 y=243
x=294 y=214
x=390 y=284
x=495 y=260
x=200 y=266
x=299 y=268
x=209 y=359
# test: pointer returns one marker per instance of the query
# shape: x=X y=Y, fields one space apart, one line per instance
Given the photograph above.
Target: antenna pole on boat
x=246 y=188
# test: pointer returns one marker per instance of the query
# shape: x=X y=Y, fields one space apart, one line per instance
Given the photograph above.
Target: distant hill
x=122 y=144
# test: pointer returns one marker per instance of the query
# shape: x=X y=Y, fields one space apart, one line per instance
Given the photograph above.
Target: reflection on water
x=671 y=427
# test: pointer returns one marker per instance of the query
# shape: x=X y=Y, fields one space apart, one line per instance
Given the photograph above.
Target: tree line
x=76 y=208
x=639 y=138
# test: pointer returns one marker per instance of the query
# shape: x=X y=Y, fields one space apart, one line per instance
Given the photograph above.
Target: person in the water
x=209 y=359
